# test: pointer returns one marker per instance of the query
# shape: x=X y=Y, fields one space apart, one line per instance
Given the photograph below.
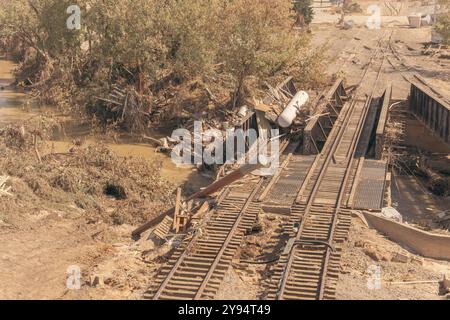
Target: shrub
x=442 y=27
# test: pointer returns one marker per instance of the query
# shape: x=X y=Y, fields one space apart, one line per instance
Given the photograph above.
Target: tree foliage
x=216 y=40
x=304 y=8
x=442 y=27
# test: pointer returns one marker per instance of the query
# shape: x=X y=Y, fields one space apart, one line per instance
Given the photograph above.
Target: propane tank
x=290 y=113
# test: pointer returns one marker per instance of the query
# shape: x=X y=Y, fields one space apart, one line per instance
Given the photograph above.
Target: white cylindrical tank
x=290 y=113
x=243 y=111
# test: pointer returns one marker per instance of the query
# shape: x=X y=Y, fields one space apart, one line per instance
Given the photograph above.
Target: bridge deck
x=371 y=185
x=284 y=192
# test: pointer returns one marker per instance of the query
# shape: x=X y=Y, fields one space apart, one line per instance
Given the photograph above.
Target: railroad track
x=309 y=267
x=398 y=63
x=407 y=71
x=311 y=254
x=310 y=264
x=197 y=267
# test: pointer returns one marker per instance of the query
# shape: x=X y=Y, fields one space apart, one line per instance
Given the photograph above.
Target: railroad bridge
x=431 y=108
x=339 y=166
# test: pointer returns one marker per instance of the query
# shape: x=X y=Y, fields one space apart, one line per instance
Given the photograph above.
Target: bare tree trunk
x=300 y=21
x=238 y=92
x=344 y=9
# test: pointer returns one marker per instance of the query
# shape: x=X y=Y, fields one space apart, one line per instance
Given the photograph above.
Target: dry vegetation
x=89 y=178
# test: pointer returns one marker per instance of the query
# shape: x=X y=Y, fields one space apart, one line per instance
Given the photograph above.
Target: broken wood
x=211 y=96
x=109 y=101
x=201 y=211
x=154 y=140
x=211 y=189
x=163 y=229
x=262 y=106
x=4 y=190
x=36 y=151
x=176 y=217
x=413 y=282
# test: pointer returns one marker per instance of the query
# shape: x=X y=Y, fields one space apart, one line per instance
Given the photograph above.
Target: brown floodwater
x=12 y=102
x=15 y=107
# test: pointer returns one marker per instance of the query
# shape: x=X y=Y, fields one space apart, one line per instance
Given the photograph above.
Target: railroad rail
x=310 y=264
x=196 y=270
x=304 y=268
x=318 y=221
x=318 y=128
x=197 y=267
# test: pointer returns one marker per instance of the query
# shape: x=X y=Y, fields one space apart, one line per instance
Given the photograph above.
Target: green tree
x=257 y=40
x=40 y=24
x=304 y=10
x=442 y=27
x=230 y=44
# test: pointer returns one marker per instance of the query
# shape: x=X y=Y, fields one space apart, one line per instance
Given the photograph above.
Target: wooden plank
x=381 y=127
x=176 y=222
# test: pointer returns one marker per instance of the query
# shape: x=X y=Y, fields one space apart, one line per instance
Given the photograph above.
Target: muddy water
x=15 y=108
x=12 y=102
x=178 y=175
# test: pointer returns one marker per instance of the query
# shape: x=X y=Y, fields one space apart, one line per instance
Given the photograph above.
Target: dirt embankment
x=76 y=208
x=375 y=268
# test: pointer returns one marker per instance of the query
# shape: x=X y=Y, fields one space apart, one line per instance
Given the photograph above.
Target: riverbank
x=72 y=199
x=16 y=107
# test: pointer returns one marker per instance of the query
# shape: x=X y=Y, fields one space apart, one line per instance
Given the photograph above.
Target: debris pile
x=129 y=107
x=443 y=219
x=282 y=107
x=417 y=165
x=269 y=113
x=88 y=177
x=436 y=183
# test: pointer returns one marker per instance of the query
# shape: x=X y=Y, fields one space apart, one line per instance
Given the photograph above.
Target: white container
x=415 y=20
x=290 y=113
x=243 y=111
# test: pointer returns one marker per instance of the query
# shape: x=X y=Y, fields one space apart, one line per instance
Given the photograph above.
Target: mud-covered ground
x=375 y=268
x=69 y=209
x=73 y=198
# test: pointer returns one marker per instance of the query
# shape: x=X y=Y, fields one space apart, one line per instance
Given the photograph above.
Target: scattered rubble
x=443 y=219
x=444 y=286
x=392 y=213
x=400 y=257
x=375 y=252
x=97 y=280
x=404 y=275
